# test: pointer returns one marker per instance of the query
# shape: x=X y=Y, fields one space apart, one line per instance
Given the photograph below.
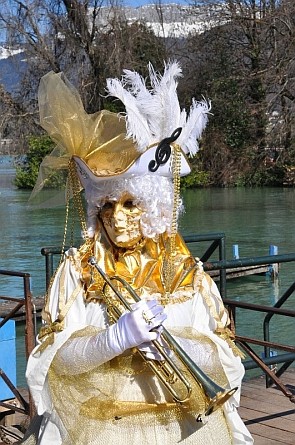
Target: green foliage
x=271 y=176
x=274 y=176
x=195 y=179
x=231 y=114
x=27 y=173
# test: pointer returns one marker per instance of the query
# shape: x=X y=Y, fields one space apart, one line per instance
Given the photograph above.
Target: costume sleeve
x=79 y=355
x=65 y=301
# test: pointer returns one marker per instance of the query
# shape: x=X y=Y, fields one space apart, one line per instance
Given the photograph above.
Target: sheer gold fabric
x=122 y=400
x=97 y=138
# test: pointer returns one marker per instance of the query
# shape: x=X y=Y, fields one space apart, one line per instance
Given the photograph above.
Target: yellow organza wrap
x=100 y=414
x=99 y=138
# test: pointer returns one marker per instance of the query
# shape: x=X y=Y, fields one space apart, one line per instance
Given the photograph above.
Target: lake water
x=252 y=218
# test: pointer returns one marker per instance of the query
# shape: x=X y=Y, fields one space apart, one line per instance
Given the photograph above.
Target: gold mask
x=121 y=221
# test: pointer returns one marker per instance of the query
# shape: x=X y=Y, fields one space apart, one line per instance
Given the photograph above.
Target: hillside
x=12 y=65
x=169 y=20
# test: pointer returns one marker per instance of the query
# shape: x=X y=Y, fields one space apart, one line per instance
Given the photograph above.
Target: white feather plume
x=136 y=82
x=153 y=114
x=194 y=126
x=136 y=124
x=166 y=99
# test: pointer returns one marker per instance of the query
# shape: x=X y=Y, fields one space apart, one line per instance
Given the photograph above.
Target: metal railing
x=49 y=253
x=287 y=358
x=217 y=244
x=30 y=329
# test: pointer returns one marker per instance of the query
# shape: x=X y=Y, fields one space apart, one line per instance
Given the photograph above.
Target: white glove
x=141 y=325
x=151 y=352
x=82 y=354
x=153 y=311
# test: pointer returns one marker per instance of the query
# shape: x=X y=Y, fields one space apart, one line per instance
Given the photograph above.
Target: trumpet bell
x=218 y=400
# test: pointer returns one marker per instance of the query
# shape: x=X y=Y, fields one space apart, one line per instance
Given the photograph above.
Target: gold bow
x=46 y=334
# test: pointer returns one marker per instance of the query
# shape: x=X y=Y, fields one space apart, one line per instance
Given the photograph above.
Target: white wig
x=152 y=194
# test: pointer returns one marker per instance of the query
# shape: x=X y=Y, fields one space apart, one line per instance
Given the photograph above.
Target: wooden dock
x=240 y=272
x=267 y=412
x=7 y=306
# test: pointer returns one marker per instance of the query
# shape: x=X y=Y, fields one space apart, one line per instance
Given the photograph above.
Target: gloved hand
x=151 y=352
x=132 y=329
x=139 y=326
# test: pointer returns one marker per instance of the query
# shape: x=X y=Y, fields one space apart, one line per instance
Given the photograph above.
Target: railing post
x=222 y=272
x=48 y=265
x=29 y=329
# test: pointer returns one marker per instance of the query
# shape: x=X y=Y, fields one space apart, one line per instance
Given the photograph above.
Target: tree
x=243 y=61
x=26 y=174
x=85 y=40
x=245 y=65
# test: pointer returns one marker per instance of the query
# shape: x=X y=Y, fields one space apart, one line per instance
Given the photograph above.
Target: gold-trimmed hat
x=104 y=145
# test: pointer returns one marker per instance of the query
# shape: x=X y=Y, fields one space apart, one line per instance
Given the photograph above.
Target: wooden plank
x=265 y=433
x=262 y=391
x=289 y=377
x=277 y=398
x=267 y=412
x=271 y=392
x=7 y=306
x=278 y=420
x=245 y=271
x=240 y=272
x=258 y=440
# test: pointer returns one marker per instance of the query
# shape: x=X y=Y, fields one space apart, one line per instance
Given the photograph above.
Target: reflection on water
x=252 y=218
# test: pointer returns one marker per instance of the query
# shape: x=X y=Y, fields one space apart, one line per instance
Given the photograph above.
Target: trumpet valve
x=168 y=373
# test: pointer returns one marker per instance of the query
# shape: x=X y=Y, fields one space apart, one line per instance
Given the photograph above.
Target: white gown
x=81 y=409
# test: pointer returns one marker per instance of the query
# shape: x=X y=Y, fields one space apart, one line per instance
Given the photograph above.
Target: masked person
x=101 y=370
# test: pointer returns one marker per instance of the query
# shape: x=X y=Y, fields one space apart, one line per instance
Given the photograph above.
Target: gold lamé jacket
x=144 y=267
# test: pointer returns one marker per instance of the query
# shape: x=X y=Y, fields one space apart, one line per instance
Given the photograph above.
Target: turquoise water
x=252 y=218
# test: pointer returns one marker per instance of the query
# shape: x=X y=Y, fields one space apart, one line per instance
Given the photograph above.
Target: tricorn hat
x=104 y=145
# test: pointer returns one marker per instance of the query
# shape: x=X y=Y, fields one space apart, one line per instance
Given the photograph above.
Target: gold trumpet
x=166 y=370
